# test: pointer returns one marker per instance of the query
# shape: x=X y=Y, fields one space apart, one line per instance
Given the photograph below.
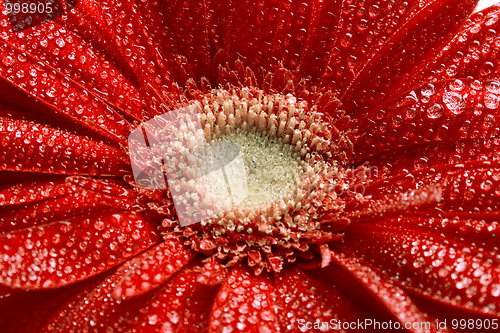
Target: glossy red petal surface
x=194 y=30
x=28 y=204
x=426 y=32
x=30 y=192
x=28 y=312
x=300 y=300
x=481 y=234
x=54 y=89
x=473 y=52
x=150 y=269
x=27 y=146
x=253 y=31
x=63 y=252
x=364 y=28
x=93 y=309
x=263 y=35
x=81 y=203
x=79 y=62
x=429 y=264
x=394 y=299
x=181 y=305
x=135 y=35
x=463 y=176
x=429 y=158
x=445 y=110
x=245 y=303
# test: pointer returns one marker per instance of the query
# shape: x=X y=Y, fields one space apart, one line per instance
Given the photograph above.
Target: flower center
x=272 y=169
x=289 y=211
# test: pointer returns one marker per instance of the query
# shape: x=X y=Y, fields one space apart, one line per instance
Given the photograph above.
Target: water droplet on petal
x=495 y=290
x=435 y=111
x=456 y=85
x=7 y=60
x=454 y=102
x=60 y=42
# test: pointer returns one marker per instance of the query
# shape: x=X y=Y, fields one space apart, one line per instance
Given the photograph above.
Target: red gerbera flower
x=371 y=135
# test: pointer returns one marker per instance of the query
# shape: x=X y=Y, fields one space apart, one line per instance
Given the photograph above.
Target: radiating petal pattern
x=67 y=251
x=431 y=265
x=150 y=269
x=445 y=110
x=182 y=305
x=28 y=146
x=473 y=52
x=245 y=303
x=323 y=304
x=384 y=115
x=426 y=32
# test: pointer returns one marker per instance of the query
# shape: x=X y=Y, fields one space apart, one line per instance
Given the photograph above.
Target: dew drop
x=51 y=93
x=99 y=225
x=454 y=102
x=491 y=101
x=495 y=290
x=60 y=42
x=493 y=87
x=435 y=111
x=489 y=120
x=428 y=90
x=486 y=68
x=456 y=85
x=79 y=109
x=7 y=60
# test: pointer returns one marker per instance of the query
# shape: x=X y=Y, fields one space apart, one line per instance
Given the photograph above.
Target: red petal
x=452 y=191
x=394 y=299
x=51 y=87
x=68 y=251
x=245 y=303
x=150 y=269
x=300 y=300
x=33 y=192
x=135 y=33
x=420 y=37
x=427 y=159
x=81 y=203
x=430 y=265
x=321 y=34
x=482 y=235
x=446 y=110
x=472 y=53
x=27 y=146
x=193 y=31
x=248 y=30
x=28 y=204
x=79 y=62
x=92 y=308
x=182 y=305
x=263 y=36
x=28 y=312
x=461 y=176
x=364 y=28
